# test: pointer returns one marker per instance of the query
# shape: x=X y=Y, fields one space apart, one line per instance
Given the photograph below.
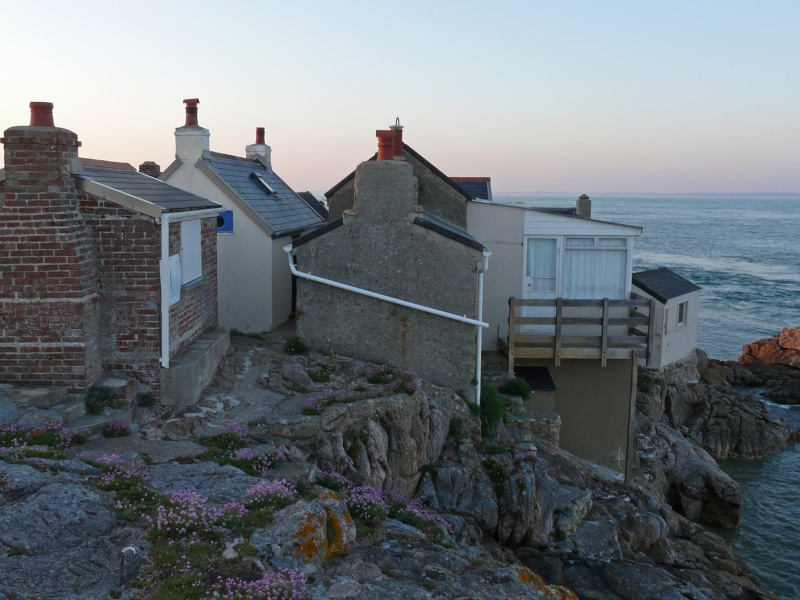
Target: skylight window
x=263 y=184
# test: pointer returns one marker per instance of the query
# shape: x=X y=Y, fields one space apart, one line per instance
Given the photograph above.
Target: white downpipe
x=479 y=323
x=363 y=292
x=484 y=267
x=165 y=290
x=166 y=287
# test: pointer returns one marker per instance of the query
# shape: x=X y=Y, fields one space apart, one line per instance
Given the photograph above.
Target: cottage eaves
x=663 y=284
x=138 y=191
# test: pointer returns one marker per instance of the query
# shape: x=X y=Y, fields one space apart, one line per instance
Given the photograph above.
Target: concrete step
x=124 y=391
x=94 y=424
x=71 y=409
x=193 y=368
x=33 y=396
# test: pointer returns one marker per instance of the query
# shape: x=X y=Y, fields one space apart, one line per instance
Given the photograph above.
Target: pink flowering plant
x=367 y=504
x=277 y=494
x=229 y=448
x=394 y=381
x=48 y=440
x=333 y=480
x=117 y=428
x=286 y=584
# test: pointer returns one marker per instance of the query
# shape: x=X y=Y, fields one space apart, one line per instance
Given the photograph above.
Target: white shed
x=676 y=314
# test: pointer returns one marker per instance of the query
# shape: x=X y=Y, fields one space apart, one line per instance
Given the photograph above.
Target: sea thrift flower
x=117 y=428
x=286 y=584
x=277 y=493
x=257 y=460
x=367 y=503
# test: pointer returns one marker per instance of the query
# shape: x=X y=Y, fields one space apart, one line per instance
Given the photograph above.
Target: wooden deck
x=579 y=329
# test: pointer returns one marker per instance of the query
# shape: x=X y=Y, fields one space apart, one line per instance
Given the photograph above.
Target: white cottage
x=558 y=298
x=261 y=214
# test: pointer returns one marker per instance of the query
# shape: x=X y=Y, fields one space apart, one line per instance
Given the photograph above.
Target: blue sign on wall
x=225 y=222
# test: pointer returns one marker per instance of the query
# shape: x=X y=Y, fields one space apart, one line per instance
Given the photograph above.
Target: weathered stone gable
x=436 y=196
x=380 y=249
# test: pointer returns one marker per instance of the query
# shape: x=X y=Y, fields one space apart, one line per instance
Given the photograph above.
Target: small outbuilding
x=676 y=314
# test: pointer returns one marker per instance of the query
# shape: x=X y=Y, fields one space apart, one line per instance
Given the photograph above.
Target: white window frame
x=682 y=313
x=191 y=251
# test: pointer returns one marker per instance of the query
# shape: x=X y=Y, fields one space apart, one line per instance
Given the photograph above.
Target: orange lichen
x=309 y=547
x=337 y=544
x=551 y=592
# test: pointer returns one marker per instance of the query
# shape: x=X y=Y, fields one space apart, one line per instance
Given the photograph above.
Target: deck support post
x=631 y=418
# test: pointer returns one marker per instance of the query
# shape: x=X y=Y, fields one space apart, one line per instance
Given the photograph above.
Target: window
x=191 y=256
x=683 y=313
x=541 y=264
x=595 y=267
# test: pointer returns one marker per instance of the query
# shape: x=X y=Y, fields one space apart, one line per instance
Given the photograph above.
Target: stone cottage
x=389 y=280
x=105 y=271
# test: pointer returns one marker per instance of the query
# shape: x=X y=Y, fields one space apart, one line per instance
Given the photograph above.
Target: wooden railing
x=588 y=329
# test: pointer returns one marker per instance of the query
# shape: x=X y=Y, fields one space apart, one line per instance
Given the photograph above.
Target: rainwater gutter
x=433 y=311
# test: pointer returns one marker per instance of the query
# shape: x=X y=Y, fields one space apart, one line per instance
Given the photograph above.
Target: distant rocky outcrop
x=781 y=349
x=692 y=413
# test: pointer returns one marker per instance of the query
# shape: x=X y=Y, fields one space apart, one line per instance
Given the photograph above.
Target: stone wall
x=49 y=307
x=380 y=249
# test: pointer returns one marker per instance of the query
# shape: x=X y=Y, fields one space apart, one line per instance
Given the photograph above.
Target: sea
x=743 y=250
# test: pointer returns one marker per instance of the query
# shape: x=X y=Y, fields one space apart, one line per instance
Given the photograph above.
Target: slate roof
x=447 y=230
x=663 y=284
x=131 y=182
x=477 y=187
x=284 y=211
x=315 y=204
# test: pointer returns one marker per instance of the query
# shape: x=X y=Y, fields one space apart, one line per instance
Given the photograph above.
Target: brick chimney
x=398 y=139
x=260 y=151
x=49 y=309
x=191 y=139
x=153 y=169
x=583 y=207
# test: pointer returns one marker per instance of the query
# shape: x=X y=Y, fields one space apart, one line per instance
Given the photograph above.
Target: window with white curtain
x=541 y=264
x=594 y=267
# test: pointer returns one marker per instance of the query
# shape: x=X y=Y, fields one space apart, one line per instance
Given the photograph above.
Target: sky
x=570 y=97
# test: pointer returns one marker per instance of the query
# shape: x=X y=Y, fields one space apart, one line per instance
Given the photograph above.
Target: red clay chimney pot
x=385 y=144
x=191 y=110
x=260 y=135
x=42 y=114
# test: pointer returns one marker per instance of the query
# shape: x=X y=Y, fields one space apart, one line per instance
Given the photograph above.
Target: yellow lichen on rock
x=551 y=592
x=311 y=543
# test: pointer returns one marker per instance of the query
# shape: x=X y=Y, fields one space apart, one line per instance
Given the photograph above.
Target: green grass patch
x=516 y=387
x=294 y=345
x=320 y=376
x=493 y=407
x=97 y=398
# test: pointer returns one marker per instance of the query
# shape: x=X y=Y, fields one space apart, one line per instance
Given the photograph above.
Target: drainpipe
x=398 y=301
x=165 y=290
x=484 y=267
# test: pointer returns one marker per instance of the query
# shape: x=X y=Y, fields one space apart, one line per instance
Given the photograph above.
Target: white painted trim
x=484 y=267
x=165 y=290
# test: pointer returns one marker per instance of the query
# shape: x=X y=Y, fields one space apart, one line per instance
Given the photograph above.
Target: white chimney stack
x=191 y=139
x=260 y=151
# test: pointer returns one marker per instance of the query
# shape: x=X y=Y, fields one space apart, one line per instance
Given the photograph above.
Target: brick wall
x=197 y=308
x=127 y=246
x=49 y=307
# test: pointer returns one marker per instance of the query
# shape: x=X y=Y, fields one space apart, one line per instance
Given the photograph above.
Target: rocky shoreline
x=505 y=513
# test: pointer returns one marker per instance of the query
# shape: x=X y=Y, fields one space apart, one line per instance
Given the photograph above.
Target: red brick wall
x=197 y=308
x=49 y=309
x=129 y=250
x=127 y=245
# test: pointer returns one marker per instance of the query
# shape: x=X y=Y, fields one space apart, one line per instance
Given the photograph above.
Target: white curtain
x=594 y=273
x=541 y=265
